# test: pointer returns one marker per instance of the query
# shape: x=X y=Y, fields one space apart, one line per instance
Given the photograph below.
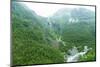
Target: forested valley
x=67 y=36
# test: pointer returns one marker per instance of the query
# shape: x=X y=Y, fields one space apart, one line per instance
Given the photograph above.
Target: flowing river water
x=75 y=54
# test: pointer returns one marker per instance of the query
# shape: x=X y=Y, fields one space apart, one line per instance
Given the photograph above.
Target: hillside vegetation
x=43 y=40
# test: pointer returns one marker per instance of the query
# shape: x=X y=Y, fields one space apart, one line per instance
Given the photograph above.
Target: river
x=75 y=54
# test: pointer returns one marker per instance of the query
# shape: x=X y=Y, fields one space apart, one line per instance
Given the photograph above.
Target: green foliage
x=33 y=39
x=90 y=56
x=29 y=47
x=31 y=52
x=28 y=44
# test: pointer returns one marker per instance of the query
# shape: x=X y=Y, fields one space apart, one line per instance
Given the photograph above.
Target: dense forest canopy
x=41 y=40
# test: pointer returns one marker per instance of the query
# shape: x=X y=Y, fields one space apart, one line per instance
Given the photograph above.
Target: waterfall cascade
x=75 y=54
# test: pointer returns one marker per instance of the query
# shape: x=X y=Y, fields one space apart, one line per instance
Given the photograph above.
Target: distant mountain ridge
x=40 y=40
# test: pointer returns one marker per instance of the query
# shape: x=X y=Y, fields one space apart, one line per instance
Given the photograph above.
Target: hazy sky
x=46 y=10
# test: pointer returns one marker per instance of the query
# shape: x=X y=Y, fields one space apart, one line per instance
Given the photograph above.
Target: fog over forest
x=52 y=33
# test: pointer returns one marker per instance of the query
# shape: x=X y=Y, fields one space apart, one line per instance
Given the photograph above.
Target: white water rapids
x=75 y=54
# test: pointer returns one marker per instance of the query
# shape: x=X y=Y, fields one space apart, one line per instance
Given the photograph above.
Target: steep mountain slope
x=41 y=40
x=76 y=28
x=79 y=22
x=28 y=45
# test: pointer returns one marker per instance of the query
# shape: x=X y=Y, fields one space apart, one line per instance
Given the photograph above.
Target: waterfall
x=75 y=54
